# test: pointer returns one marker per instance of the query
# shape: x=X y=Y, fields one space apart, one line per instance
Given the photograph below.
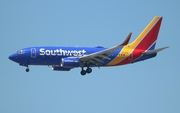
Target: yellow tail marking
x=120 y=58
x=144 y=32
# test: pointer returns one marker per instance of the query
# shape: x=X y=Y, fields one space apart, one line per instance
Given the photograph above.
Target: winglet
x=126 y=41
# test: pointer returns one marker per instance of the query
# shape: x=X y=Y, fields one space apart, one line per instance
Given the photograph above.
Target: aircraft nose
x=13 y=57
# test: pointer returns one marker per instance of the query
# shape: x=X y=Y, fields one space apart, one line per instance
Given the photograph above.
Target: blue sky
x=150 y=86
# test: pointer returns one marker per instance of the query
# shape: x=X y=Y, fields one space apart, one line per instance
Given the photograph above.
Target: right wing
x=99 y=56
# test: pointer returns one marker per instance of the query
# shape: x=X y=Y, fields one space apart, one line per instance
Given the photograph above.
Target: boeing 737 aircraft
x=67 y=58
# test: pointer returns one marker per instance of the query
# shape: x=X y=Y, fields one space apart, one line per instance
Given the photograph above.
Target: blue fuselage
x=51 y=55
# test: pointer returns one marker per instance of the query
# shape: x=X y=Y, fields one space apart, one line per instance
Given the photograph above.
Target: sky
x=150 y=86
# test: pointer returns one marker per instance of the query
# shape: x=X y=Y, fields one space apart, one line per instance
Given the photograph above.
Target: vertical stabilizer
x=147 y=39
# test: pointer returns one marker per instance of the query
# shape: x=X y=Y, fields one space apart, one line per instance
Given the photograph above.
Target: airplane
x=67 y=58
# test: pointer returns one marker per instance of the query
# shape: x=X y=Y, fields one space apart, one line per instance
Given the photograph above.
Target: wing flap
x=104 y=57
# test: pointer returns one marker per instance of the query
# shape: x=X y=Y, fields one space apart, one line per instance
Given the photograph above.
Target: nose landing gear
x=27 y=69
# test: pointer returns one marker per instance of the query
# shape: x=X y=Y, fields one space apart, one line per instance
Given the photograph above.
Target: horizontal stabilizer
x=155 y=51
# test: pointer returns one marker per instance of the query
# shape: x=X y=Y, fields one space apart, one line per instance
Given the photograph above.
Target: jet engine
x=59 y=68
x=70 y=62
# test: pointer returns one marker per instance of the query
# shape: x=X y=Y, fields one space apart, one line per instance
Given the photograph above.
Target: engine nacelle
x=70 y=62
x=59 y=68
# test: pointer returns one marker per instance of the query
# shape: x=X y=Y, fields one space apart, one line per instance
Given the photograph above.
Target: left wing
x=99 y=56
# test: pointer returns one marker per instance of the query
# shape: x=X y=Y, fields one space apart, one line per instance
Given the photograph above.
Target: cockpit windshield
x=20 y=52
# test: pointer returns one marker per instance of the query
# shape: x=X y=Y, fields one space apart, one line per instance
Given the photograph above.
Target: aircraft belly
x=45 y=61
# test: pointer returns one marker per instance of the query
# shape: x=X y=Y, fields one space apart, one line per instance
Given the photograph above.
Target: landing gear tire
x=83 y=72
x=27 y=70
x=88 y=70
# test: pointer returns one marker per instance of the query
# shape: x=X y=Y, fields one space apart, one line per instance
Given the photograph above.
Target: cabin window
x=20 y=52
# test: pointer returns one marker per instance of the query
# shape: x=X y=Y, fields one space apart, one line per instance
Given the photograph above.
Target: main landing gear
x=88 y=70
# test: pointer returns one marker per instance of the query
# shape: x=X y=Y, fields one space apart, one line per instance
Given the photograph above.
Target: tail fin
x=147 y=39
